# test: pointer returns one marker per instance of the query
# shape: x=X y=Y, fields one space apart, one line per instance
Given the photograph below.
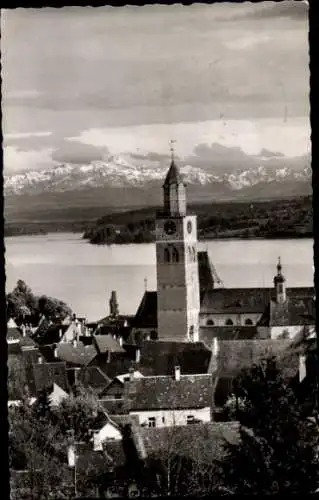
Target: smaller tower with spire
x=114 y=306
x=174 y=190
x=280 y=284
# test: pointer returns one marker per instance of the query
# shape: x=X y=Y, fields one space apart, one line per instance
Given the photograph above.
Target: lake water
x=69 y=268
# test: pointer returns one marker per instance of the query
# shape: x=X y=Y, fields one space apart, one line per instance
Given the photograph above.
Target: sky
x=80 y=83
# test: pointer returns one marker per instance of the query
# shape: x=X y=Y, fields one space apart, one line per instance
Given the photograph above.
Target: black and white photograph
x=158 y=232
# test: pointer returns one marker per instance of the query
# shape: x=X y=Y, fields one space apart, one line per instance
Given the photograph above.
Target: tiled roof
x=208 y=333
x=245 y=300
x=113 y=406
x=164 y=392
x=235 y=355
x=295 y=311
x=106 y=343
x=14 y=348
x=146 y=316
x=161 y=357
x=94 y=377
x=47 y=374
x=79 y=355
x=202 y=443
x=121 y=331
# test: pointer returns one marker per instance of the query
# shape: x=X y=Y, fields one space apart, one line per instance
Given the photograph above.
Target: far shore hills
x=288 y=218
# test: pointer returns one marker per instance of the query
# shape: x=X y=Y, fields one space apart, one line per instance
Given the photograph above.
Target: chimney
x=131 y=372
x=55 y=352
x=40 y=360
x=137 y=355
x=215 y=346
x=177 y=373
x=60 y=333
x=74 y=343
x=121 y=341
x=114 y=307
x=24 y=330
x=148 y=336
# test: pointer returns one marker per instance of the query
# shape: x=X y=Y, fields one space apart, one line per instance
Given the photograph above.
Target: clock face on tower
x=170 y=227
x=189 y=226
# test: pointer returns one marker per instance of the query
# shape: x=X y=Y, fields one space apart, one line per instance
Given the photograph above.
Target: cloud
x=77 y=152
x=292 y=9
x=265 y=153
x=16 y=160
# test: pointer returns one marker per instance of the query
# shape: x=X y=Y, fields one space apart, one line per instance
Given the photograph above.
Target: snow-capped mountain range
x=122 y=171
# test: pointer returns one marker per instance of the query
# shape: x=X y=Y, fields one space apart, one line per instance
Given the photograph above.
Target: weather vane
x=145 y=284
x=172 y=142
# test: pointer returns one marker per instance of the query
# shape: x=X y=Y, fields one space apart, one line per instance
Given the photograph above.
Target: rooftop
x=164 y=392
x=293 y=312
x=76 y=355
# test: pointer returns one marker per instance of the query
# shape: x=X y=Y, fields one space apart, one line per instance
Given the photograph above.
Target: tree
x=278 y=448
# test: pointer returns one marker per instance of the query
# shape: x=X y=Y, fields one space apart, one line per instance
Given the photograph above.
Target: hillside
x=288 y=218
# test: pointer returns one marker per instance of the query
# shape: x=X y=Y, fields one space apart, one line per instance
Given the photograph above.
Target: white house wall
x=169 y=418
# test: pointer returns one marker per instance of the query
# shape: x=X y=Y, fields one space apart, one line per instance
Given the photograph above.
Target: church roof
x=173 y=175
x=246 y=300
x=106 y=343
x=146 y=316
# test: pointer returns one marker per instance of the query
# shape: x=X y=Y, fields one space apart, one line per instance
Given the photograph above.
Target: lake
x=66 y=267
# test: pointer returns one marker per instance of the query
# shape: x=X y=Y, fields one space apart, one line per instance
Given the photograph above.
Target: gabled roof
x=245 y=300
x=164 y=392
x=160 y=357
x=208 y=333
x=146 y=316
x=79 y=355
x=293 y=312
x=11 y=323
x=106 y=343
x=202 y=443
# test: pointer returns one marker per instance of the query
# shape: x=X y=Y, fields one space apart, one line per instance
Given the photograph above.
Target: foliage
x=16 y=378
x=21 y=302
x=278 y=446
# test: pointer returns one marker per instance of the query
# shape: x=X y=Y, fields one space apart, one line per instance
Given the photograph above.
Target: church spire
x=279 y=282
x=174 y=189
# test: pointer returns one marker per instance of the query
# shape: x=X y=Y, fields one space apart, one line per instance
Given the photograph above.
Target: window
x=229 y=322
x=190 y=419
x=175 y=256
x=163 y=420
x=151 y=422
x=210 y=322
x=167 y=256
x=248 y=322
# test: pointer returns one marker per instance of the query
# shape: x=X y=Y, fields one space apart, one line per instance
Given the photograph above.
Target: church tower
x=178 y=299
x=280 y=284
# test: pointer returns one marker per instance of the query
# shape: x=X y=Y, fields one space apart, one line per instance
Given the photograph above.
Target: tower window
x=210 y=322
x=167 y=257
x=175 y=256
x=248 y=322
x=229 y=322
x=190 y=253
x=194 y=254
x=191 y=332
x=280 y=288
x=151 y=422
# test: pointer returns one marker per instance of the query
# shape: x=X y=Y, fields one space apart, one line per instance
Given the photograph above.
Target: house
x=115 y=389
x=170 y=400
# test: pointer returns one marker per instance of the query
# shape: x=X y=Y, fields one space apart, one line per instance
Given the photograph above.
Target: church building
x=190 y=305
